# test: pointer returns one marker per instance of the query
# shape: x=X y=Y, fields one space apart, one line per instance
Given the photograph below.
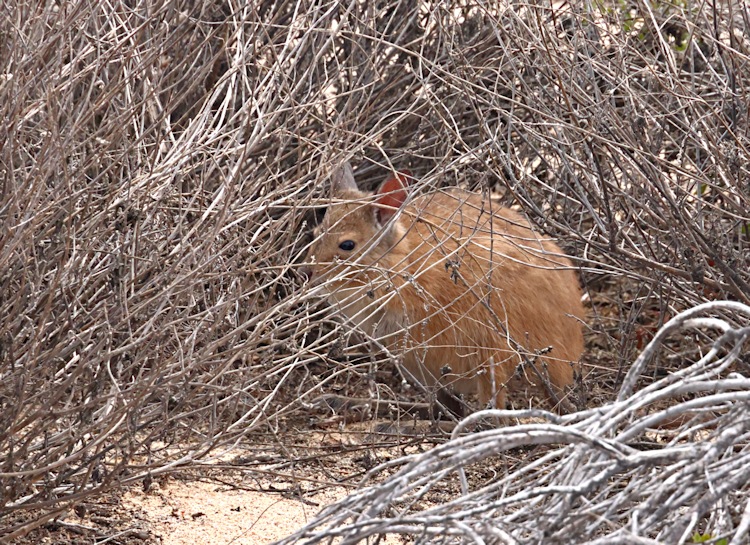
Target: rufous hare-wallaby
x=458 y=286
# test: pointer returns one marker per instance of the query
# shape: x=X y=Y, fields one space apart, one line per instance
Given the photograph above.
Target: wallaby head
x=356 y=230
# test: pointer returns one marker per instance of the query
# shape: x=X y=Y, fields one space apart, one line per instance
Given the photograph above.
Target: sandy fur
x=455 y=287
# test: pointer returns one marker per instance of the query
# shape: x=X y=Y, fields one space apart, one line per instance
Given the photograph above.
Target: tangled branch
x=656 y=466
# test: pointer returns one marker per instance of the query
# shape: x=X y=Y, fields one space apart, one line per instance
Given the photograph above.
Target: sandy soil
x=202 y=512
x=193 y=513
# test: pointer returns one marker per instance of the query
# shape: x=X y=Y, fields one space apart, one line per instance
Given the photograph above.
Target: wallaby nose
x=306 y=271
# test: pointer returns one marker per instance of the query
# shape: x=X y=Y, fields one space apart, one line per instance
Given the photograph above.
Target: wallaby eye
x=347 y=245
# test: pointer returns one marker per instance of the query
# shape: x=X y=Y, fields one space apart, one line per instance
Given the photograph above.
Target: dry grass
x=162 y=162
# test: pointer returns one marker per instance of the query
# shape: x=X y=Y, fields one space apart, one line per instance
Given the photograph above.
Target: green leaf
x=702 y=538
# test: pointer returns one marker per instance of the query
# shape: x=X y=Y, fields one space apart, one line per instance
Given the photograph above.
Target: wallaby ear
x=390 y=196
x=342 y=179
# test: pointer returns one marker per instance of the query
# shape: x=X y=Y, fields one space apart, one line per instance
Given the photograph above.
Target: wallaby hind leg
x=561 y=380
x=447 y=406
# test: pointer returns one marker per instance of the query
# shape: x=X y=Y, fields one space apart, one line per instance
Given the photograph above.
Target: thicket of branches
x=162 y=163
x=614 y=476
